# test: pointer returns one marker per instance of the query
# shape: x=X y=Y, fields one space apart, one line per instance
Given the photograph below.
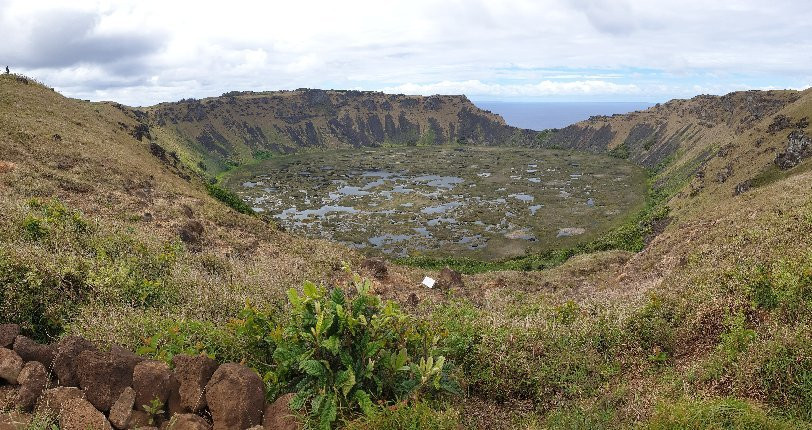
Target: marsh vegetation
x=477 y=202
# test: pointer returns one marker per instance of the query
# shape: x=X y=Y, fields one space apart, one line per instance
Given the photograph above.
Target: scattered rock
x=103 y=376
x=799 y=147
x=10 y=365
x=67 y=352
x=726 y=172
x=449 y=279
x=79 y=414
x=192 y=374
x=33 y=380
x=570 y=231
x=279 y=416
x=152 y=380
x=375 y=266
x=29 y=350
x=780 y=122
x=8 y=332
x=413 y=300
x=191 y=233
x=235 y=396
x=122 y=409
x=186 y=422
x=54 y=399
x=743 y=187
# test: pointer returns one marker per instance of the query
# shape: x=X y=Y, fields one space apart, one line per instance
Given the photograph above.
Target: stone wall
x=87 y=388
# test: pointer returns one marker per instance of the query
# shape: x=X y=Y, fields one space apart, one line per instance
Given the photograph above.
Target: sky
x=145 y=52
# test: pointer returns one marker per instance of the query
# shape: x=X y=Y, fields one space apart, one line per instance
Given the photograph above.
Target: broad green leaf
x=364 y=402
x=293 y=298
x=345 y=381
x=331 y=344
x=310 y=290
x=312 y=367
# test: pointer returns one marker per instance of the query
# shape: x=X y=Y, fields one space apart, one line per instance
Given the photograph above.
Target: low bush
x=344 y=355
x=229 y=198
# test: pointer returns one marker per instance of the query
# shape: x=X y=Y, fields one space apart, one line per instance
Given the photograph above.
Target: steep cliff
x=239 y=126
x=650 y=137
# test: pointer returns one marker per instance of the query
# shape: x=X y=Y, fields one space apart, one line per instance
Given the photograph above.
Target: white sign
x=429 y=282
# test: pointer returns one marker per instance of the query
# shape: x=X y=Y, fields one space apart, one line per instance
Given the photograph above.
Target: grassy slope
x=708 y=327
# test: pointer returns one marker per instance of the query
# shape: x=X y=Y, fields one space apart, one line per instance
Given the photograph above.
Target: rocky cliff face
x=650 y=137
x=239 y=124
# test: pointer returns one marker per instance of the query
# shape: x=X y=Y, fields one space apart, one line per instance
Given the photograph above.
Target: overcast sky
x=143 y=52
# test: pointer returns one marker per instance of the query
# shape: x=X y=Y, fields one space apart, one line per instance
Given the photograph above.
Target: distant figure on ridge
x=7 y=72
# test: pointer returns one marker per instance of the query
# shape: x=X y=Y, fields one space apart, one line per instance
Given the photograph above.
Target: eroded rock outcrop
x=799 y=148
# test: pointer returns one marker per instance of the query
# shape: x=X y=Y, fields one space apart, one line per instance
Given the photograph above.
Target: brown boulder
x=138 y=419
x=186 y=422
x=376 y=267
x=10 y=365
x=126 y=355
x=193 y=373
x=449 y=279
x=7 y=334
x=66 y=357
x=235 y=396
x=279 y=416
x=152 y=380
x=15 y=420
x=122 y=409
x=103 y=376
x=29 y=350
x=54 y=399
x=33 y=380
x=79 y=414
x=8 y=397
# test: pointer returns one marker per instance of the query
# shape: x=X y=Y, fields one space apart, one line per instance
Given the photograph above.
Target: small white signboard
x=429 y=282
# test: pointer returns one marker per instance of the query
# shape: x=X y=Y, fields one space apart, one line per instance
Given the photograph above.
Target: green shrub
x=61 y=262
x=778 y=369
x=342 y=356
x=784 y=287
x=654 y=327
x=620 y=151
x=551 y=355
x=715 y=414
x=229 y=198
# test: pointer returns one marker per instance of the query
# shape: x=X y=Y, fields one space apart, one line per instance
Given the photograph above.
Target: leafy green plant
x=154 y=409
x=344 y=355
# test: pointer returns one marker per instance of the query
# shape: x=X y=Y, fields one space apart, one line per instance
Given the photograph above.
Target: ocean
x=544 y=115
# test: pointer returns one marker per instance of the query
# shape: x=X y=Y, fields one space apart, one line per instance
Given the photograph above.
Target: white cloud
x=145 y=51
x=540 y=89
